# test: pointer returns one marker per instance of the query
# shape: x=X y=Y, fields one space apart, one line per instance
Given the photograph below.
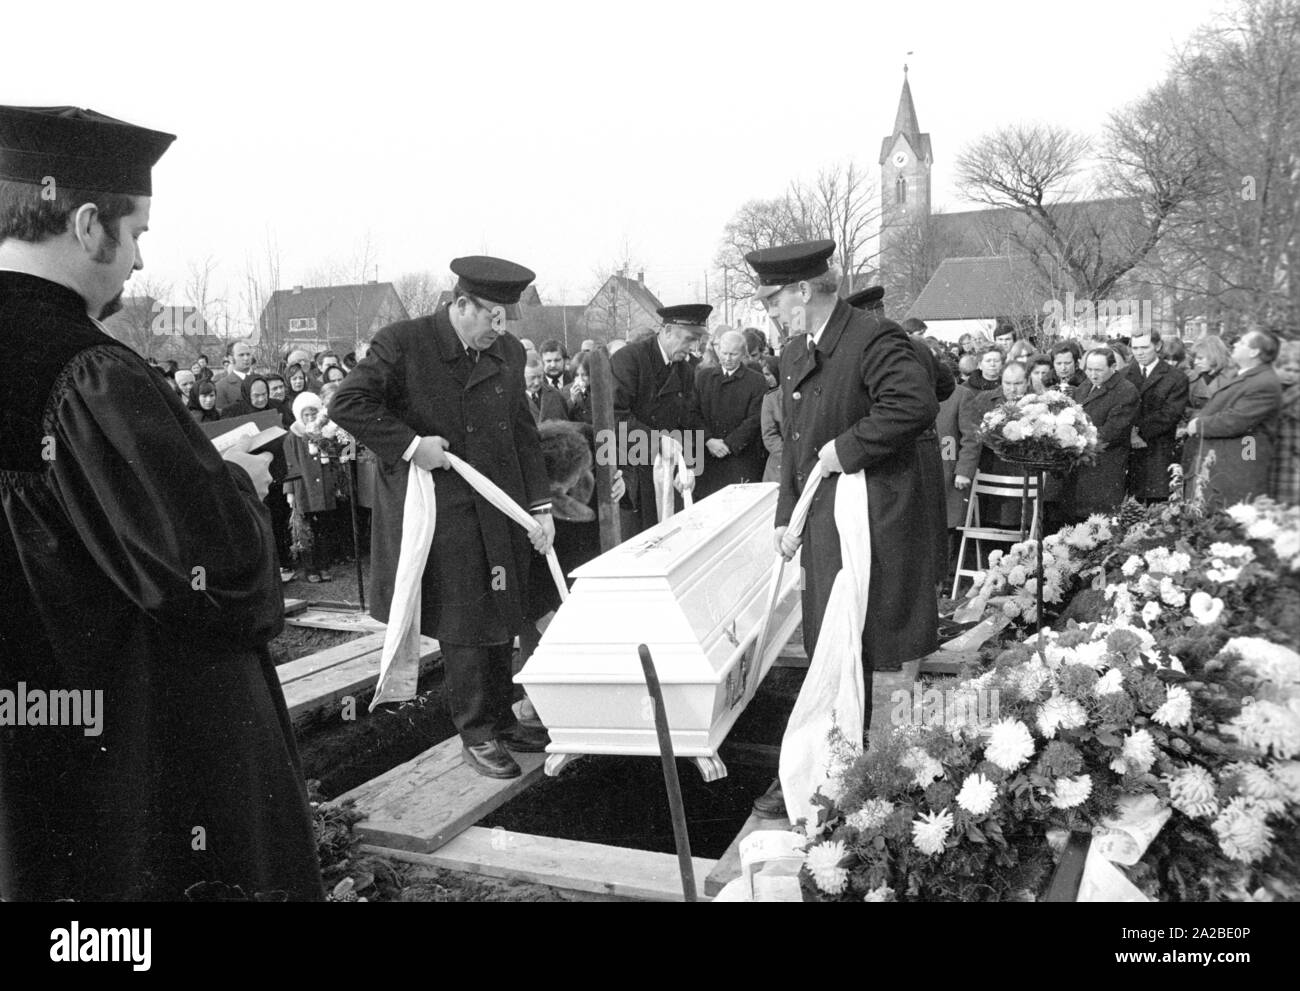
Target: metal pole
x=671 y=783
x=356 y=533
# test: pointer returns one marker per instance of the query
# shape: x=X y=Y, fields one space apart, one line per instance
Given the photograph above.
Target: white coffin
x=693 y=589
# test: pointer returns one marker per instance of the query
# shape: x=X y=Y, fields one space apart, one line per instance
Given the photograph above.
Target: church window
x=900 y=189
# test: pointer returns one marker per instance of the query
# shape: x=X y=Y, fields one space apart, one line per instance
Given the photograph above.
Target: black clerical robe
x=135 y=563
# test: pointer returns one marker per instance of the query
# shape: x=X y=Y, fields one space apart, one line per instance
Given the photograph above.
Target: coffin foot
x=711 y=768
x=555 y=763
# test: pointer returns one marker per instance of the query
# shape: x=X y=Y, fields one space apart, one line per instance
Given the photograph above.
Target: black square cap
x=686 y=315
x=789 y=263
x=871 y=298
x=79 y=149
x=493 y=279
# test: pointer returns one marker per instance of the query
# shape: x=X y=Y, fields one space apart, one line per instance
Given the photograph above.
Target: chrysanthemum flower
x=1177 y=707
x=1110 y=682
x=1139 y=750
x=872 y=815
x=925 y=768
x=1270 y=728
x=930 y=831
x=1257 y=785
x=1287 y=776
x=823 y=863
x=977 y=794
x=1010 y=745
x=1058 y=713
x=1243 y=834
x=1192 y=792
x=882 y=894
x=1070 y=792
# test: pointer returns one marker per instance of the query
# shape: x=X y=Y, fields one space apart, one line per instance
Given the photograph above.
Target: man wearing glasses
x=452 y=382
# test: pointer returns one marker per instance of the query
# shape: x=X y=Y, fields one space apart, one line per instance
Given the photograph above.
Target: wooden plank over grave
x=422 y=804
x=316 y=685
x=567 y=864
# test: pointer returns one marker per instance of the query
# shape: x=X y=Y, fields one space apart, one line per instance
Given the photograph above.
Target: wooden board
x=294 y=606
x=566 y=864
x=314 y=686
x=727 y=868
x=422 y=804
x=317 y=618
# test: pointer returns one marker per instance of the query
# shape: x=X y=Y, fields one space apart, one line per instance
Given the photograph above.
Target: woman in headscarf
x=254 y=397
x=278 y=393
x=296 y=383
x=204 y=403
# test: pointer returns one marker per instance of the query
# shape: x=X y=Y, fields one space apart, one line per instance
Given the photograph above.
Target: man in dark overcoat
x=1111 y=402
x=137 y=570
x=1162 y=391
x=453 y=381
x=855 y=398
x=654 y=397
x=730 y=397
x=1234 y=434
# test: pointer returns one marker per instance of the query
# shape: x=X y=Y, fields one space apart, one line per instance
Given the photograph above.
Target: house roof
x=637 y=290
x=1006 y=230
x=347 y=306
x=974 y=288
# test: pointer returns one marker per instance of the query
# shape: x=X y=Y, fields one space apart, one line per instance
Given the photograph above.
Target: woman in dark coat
x=254 y=397
x=203 y=403
x=313 y=487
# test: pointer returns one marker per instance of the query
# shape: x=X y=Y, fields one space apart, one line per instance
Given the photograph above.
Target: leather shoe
x=491 y=760
x=771 y=804
x=526 y=739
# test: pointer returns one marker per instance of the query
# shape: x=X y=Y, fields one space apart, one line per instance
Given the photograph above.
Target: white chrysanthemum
x=882 y=894
x=1270 y=661
x=1151 y=612
x=1093 y=654
x=1171 y=595
x=872 y=815
x=1205 y=608
x=1017 y=575
x=1070 y=792
x=1058 y=713
x=1243 y=834
x=1011 y=609
x=1262 y=529
x=1010 y=746
x=1109 y=683
x=1232 y=552
x=1130 y=567
x=925 y=769
x=977 y=794
x=1192 y=792
x=1287 y=776
x=1139 y=751
x=1269 y=728
x=1098 y=523
x=1256 y=784
x=823 y=863
x=930 y=831
x=1177 y=707
x=1243 y=513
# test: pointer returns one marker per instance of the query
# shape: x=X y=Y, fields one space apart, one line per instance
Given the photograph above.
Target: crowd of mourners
x=1228 y=412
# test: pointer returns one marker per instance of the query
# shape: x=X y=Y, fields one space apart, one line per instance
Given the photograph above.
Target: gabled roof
x=990 y=231
x=980 y=288
x=342 y=306
x=637 y=290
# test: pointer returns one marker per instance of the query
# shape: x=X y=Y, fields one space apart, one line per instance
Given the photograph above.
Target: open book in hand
x=265 y=430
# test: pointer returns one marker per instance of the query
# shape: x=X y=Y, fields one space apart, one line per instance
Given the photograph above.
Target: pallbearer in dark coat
x=654 y=393
x=730 y=398
x=855 y=398
x=136 y=568
x=1111 y=402
x=454 y=381
x=545 y=401
x=1162 y=391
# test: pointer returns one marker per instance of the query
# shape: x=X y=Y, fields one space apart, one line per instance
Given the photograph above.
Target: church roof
x=980 y=288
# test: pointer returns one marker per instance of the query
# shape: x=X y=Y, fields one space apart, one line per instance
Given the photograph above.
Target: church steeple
x=905 y=120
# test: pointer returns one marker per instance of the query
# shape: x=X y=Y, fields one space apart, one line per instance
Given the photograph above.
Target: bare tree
x=134 y=325
x=419 y=292
x=257 y=300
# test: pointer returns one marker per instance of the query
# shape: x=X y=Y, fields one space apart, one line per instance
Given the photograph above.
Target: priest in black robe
x=137 y=571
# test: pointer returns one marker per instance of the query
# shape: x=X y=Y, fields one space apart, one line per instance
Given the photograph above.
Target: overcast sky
x=556 y=134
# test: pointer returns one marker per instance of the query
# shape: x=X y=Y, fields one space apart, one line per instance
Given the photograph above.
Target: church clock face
x=900 y=159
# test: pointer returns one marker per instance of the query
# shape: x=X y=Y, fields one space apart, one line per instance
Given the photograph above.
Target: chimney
x=297 y=290
x=640 y=277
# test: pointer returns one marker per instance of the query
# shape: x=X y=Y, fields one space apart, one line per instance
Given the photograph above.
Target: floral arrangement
x=1043 y=427
x=329 y=441
x=1183 y=688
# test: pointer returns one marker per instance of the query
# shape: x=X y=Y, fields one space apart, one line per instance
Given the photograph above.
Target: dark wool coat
x=947 y=426
x=1113 y=409
x=1239 y=424
x=864 y=389
x=731 y=409
x=551 y=404
x=1163 y=399
x=996 y=511
x=927 y=449
x=418 y=381
x=314 y=484
x=649 y=395
x=135 y=562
